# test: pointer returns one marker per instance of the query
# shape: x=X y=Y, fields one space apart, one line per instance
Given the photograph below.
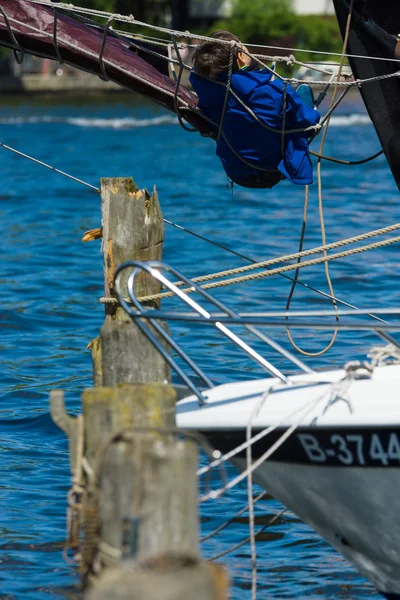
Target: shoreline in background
x=101 y=92
x=52 y=83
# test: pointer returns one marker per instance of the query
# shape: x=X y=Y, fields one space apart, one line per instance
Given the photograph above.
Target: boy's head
x=212 y=59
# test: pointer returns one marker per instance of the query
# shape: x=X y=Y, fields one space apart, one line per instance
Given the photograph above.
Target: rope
x=379 y=354
x=229 y=455
x=246 y=540
x=103 y=64
x=177 y=226
x=109 y=16
x=272 y=272
x=75 y=494
x=227 y=89
x=93 y=55
x=18 y=47
x=284 y=108
x=232 y=519
x=55 y=41
x=304 y=412
x=105 y=77
x=43 y=164
x=347 y=162
x=249 y=460
x=171 y=32
x=186 y=34
x=177 y=87
x=130 y=19
x=320 y=209
x=293 y=287
x=296 y=255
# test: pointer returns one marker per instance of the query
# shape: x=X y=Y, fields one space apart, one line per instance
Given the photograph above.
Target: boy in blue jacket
x=251 y=154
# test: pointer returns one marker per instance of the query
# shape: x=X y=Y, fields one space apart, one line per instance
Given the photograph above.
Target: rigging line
x=232 y=519
x=304 y=411
x=131 y=39
x=186 y=34
x=347 y=162
x=188 y=231
x=261 y=434
x=290 y=60
x=326 y=119
x=70 y=45
x=249 y=460
x=122 y=70
x=43 y=164
x=304 y=225
x=289 y=257
x=293 y=287
x=246 y=540
x=253 y=261
x=271 y=272
x=308 y=51
x=177 y=88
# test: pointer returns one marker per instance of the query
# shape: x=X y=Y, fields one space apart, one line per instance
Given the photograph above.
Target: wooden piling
x=164 y=578
x=132 y=229
x=139 y=507
x=134 y=491
x=138 y=467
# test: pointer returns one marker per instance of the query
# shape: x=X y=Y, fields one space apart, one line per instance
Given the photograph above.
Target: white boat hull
x=339 y=470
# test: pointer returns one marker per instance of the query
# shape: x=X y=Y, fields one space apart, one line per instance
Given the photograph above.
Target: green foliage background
x=268 y=21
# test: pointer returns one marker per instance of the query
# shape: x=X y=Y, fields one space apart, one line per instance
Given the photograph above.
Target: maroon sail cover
x=32 y=27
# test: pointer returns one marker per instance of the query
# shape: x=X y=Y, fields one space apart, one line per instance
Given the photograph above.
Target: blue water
x=51 y=282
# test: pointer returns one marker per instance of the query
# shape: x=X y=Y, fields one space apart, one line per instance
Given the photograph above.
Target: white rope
x=224 y=457
x=186 y=34
x=254 y=413
x=379 y=354
x=304 y=411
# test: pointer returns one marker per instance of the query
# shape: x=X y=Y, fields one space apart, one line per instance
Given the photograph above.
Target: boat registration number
x=369 y=448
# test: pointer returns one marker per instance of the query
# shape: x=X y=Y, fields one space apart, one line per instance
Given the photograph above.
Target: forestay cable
x=185 y=230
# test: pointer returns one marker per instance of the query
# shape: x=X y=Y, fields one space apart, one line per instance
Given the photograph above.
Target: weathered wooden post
x=134 y=476
x=133 y=229
x=143 y=484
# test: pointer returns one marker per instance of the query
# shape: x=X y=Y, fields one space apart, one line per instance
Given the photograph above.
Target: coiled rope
x=320 y=207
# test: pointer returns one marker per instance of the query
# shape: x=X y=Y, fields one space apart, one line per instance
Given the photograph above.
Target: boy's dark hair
x=223 y=34
x=211 y=59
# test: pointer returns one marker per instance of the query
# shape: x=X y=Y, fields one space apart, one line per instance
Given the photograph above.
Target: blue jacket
x=248 y=138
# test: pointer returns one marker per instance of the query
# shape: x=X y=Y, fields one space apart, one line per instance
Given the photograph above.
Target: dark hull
x=372 y=34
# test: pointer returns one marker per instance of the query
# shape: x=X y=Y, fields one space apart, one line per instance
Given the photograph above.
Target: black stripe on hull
x=376 y=447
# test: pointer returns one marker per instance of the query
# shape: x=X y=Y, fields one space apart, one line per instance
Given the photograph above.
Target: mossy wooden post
x=141 y=538
x=121 y=470
x=133 y=229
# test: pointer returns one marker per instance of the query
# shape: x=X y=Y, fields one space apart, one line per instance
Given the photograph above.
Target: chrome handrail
x=137 y=312
x=224 y=317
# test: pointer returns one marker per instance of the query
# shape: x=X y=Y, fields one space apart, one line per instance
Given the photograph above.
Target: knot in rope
x=290 y=60
x=358 y=370
x=381 y=354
